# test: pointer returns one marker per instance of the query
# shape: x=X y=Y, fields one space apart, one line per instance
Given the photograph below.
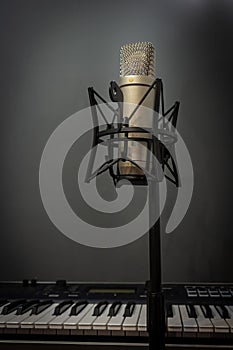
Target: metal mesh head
x=137 y=59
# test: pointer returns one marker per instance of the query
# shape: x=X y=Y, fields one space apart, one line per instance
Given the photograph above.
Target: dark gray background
x=51 y=51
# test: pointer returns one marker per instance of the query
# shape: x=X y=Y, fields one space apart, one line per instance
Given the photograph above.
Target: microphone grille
x=137 y=59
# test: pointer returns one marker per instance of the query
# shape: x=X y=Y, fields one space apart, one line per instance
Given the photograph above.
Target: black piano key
x=191 y=311
x=40 y=307
x=99 y=309
x=207 y=311
x=62 y=307
x=222 y=310
x=13 y=306
x=114 y=309
x=78 y=307
x=25 y=307
x=129 y=309
x=169 y=311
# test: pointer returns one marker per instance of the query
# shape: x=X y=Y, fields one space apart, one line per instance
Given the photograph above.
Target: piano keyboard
x=182 y=321
x=194 y=314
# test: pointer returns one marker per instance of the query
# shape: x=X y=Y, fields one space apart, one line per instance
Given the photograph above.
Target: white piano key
x=174 y=323
x=63 y=331
x=189 y=323
x=231 y=307
x=131 y=333
x=57 y=322
x=130 y=323
x=118 y=333
x=104 y=332
x=204 y=324
x=9 y=331
x=2 y=323
x=22 y=331
x=142 y=320
x=100 y=322
x=49 y=331
x=76 y=332
x=89 y=332
x=220 y=325
x=73 y=321
x=15 y=321
x=230 y=320
x=115 y=322
x=43 y=322
x=86 y=322
x=37 y=331
x=30 y=321
x=6 y=318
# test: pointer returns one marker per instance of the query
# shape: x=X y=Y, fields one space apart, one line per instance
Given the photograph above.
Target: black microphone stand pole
x=155 y=306
x=155 y=297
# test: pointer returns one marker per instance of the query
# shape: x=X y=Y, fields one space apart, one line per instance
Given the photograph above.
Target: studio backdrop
x=51 y=52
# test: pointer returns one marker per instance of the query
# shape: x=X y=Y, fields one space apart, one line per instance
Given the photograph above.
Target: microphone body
x=136 y=76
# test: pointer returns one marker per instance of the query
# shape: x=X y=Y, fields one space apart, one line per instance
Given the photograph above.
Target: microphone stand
x=155 y=297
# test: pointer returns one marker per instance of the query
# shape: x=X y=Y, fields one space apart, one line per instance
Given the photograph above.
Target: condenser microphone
x=140 y=138
x=137 y=73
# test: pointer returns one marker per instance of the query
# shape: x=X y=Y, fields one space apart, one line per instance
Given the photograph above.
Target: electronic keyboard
x=113 y=314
